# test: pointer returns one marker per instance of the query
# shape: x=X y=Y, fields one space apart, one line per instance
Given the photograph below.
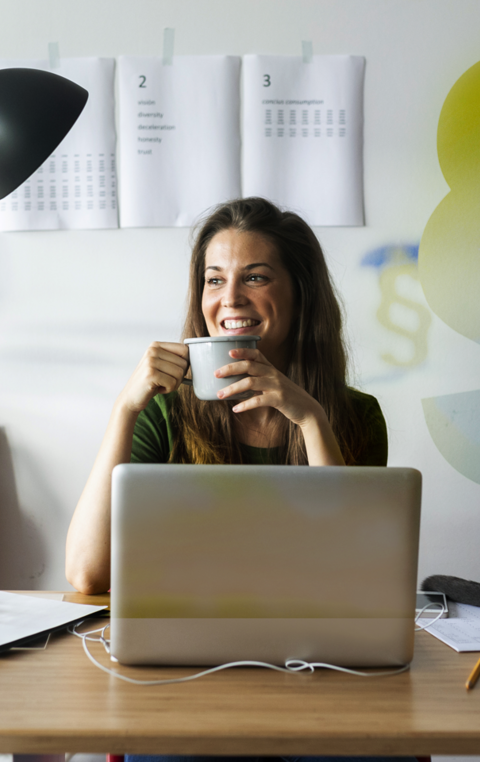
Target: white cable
x=312 y=665
x=72 y=631
x=84 y=635
x=430 y=621
x=292 y=666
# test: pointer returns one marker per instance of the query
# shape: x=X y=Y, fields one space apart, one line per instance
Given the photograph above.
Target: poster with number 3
x=303 y=135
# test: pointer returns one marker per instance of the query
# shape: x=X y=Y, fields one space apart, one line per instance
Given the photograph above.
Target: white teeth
x=229 y=324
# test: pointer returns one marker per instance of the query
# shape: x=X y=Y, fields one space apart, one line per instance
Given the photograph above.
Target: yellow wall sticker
x=449 y=255
x=449 y=266
x=393 y=264
x=454 y=424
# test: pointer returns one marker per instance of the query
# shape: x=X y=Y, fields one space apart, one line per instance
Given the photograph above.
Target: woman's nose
x=234 y=295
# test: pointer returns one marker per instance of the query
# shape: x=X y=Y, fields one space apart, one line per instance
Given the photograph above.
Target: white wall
x=77 y=309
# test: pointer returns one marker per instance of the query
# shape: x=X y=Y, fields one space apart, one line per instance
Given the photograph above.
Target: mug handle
x=187 y=381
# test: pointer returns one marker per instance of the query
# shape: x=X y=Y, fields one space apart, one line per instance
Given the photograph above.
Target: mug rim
x=207 y=339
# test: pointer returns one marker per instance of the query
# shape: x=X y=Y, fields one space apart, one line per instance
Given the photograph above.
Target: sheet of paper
x=38 y=643
x=42 y=594
x=22 y=616
x=463 y=611
x=180 y=138
x=77 y=186
x=460 y=634
x=303 y=135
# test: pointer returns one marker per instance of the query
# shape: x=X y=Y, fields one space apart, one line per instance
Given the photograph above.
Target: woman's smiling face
x=248 y=291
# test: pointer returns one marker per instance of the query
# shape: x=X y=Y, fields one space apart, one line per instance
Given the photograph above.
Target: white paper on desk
x=303 y=135
x=463 y=611
x=42 y=594
x=22 y=616
x=179 y=138
x=460 y=634
x=77 y=185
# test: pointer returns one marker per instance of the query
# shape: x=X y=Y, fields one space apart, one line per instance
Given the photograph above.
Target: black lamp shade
x=37 y=109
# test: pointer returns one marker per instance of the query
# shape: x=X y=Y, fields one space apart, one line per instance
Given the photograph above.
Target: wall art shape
x=393 y=263
x=449 y=256
x=454 y=424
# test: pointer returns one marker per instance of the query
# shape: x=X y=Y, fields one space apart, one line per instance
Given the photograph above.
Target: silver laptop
x=212 y=564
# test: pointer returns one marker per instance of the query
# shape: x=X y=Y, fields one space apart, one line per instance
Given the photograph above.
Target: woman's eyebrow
x=247 y=267
x=258 y=264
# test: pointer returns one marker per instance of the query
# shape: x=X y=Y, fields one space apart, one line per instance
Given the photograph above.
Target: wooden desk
x=57 y=701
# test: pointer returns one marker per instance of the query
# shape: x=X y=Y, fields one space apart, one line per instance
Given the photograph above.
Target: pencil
x=473 y=677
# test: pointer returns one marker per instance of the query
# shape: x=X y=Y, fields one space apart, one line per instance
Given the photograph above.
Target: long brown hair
x=317 y=362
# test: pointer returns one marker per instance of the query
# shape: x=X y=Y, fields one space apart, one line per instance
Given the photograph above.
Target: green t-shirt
x=153 y=435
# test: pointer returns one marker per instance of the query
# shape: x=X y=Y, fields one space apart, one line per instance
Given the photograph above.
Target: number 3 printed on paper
x=266 y=80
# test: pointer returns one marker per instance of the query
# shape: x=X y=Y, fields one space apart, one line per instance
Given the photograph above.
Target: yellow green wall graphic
x=449 y=266
x=393 y=263
x=454 y=424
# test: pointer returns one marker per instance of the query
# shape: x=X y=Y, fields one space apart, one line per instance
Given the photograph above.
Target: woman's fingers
x=249 y=361
x=260 y=384
x=248 y=354
x=165 y=368
x=256 y=401
x=165 y=378
x=168 y=366
x=241 y=367
x=160 y=370
x=268 y=387
x=260 y=374
x=170 y=352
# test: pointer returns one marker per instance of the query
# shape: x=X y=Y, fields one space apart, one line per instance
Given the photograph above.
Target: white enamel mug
x=209 y=353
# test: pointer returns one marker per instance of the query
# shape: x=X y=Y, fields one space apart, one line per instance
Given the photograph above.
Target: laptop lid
x=219 y=563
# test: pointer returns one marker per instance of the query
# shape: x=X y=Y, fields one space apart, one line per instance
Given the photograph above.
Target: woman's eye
x=252 y=278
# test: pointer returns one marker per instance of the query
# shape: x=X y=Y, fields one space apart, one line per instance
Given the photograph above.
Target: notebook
x=212 y=564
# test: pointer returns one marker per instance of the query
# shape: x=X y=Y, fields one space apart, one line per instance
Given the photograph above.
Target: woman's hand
x=160 y=371
x=269 y=386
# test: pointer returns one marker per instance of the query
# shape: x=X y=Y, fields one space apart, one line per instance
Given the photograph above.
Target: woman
x=254 y=270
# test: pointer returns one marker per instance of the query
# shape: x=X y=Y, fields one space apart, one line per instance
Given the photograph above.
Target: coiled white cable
x=292 y=666
x=430 y=621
